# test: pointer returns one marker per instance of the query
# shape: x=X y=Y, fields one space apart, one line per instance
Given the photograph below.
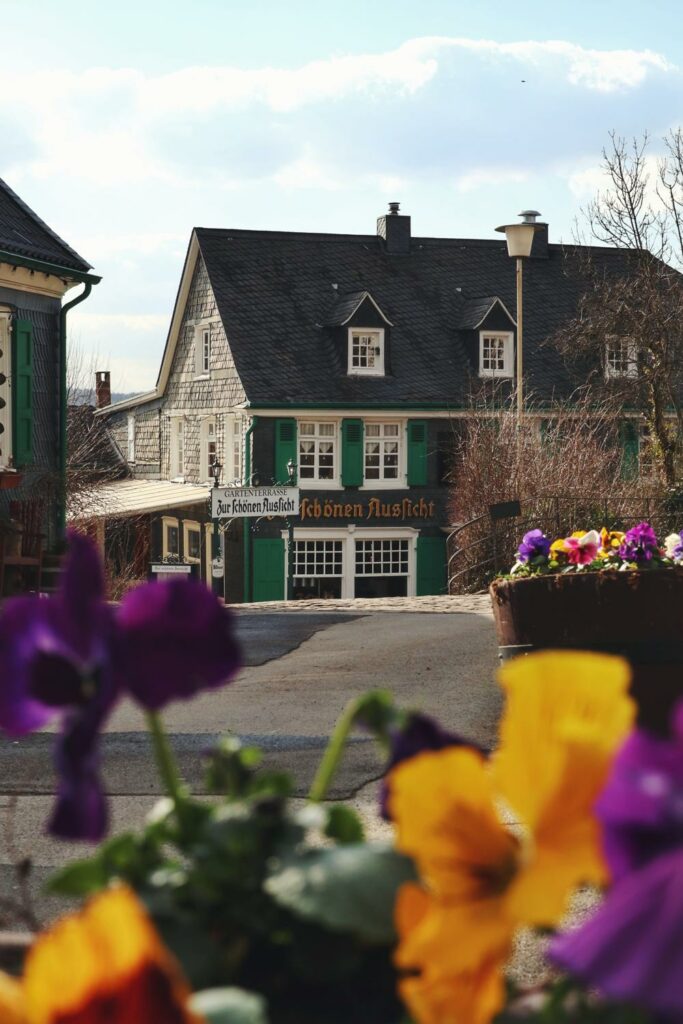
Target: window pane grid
x=620 y=360
x=381 y=451
x=318 y=558
x=317 y=444
x=381 y=557
x=493 y=353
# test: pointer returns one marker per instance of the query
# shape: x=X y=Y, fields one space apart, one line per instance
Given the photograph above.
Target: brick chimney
x=394 y=228
x=102 y=389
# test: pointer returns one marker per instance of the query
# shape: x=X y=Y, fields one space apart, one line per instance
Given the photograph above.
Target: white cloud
x=483 y=177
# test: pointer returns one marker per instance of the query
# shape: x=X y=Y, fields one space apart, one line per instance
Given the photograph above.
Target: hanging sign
x=171 y=568
x=253 y=502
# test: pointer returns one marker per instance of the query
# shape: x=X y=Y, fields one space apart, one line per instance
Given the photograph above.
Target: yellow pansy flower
x=105 y=962
x=566 y=715
x=610 y=542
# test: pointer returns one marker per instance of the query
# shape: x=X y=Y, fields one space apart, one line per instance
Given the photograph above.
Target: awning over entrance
x=134 y=497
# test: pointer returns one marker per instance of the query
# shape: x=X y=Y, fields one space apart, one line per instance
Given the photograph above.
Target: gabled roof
x=347 y=305
x=272 y=289
x=475 y=311
x=23 y=233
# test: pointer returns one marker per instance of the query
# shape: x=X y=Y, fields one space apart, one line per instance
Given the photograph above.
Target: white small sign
x=217 y=568
x=254 y=502
x=171 y=568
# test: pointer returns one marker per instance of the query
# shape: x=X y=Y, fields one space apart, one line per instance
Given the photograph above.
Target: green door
x=431 y=566
x=269 y=570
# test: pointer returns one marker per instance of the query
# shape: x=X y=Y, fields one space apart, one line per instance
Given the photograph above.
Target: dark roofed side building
x=348 y=356
x=37 y=269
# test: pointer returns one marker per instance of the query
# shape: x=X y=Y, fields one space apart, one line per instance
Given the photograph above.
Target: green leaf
x=349 y=888
x=80 y=878
x=344 y=825
x=229 y=1006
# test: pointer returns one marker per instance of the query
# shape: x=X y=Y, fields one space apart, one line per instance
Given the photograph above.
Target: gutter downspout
x=61 y=501
x=246 y=596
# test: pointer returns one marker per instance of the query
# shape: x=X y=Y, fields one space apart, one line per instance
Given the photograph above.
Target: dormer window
x=621 y=357
x=366 y=351
x=496 y=349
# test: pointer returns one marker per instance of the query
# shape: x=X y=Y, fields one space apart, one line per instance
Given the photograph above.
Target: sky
x=124 y=125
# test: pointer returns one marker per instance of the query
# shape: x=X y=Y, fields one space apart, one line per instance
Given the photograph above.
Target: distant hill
x=86 y=396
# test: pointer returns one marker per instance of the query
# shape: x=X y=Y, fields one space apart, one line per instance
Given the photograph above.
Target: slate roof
x=23 y=233
x=275 y=292
x=345 y=306
x=475 y=311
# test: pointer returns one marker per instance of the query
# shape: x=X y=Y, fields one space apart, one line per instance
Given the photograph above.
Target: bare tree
x=639 y=306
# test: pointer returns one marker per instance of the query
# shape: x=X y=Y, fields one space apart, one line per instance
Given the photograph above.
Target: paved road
x=300 y=672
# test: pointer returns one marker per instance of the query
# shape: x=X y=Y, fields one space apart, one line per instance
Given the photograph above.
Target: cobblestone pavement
x=477 y=603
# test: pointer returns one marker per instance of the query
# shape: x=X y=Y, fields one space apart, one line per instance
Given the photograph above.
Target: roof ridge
x=43 y=225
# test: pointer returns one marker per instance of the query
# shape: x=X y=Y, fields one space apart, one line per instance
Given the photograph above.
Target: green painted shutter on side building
x=431 y=566
x=417 y=453
x=22 y=412
x=285 y=448
x=352 y=453
x=269 y=569
x=629 y=449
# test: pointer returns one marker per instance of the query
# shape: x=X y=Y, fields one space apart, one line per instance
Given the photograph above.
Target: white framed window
x=208 y=447
x=131 y=437
x=170 y=537
x=192 y=542
x=385 y=557
x=317 y=452
x=366 y=351
x=233 y=448
x=6 y=450
x=318 y=558
x=177 y=428
x=621 y=357
x=382 y=452
x=202 y=350
x=496 y=351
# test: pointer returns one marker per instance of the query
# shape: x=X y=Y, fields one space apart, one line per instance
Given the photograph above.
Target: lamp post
x=216 y=469
x=291 y=474
x=520 y=238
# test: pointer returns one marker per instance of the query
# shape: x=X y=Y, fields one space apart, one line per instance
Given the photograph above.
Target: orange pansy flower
x=566 y=714
x=105 y=963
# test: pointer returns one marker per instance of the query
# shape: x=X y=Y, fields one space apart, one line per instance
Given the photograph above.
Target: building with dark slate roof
x=37 y=268
x=347 y=358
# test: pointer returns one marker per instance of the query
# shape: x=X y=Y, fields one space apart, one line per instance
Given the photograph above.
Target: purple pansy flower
x=631 y=949
x=72 y=655
x=639 y=544
x=534 y=544
x=419 y=734
x=641 y=807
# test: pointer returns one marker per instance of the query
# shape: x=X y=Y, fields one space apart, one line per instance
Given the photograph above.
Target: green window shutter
x=22 y=372
x=285 y=448
x=352 y=453
x=417 y=453
x=544 y=428
x=269 y=570
x=629 y=449
x=431 y=566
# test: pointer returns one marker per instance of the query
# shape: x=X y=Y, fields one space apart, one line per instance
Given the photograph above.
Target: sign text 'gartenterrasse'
x=313 y=508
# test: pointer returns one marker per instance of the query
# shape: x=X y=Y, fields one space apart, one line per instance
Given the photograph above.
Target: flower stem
x=168 y=770
x=333 y=752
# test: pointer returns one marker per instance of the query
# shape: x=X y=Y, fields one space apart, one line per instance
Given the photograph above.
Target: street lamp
x=520 y=238
x=216 y=470
x=291 y=473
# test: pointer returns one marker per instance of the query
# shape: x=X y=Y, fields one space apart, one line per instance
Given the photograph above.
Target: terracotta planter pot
x=636 y=614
